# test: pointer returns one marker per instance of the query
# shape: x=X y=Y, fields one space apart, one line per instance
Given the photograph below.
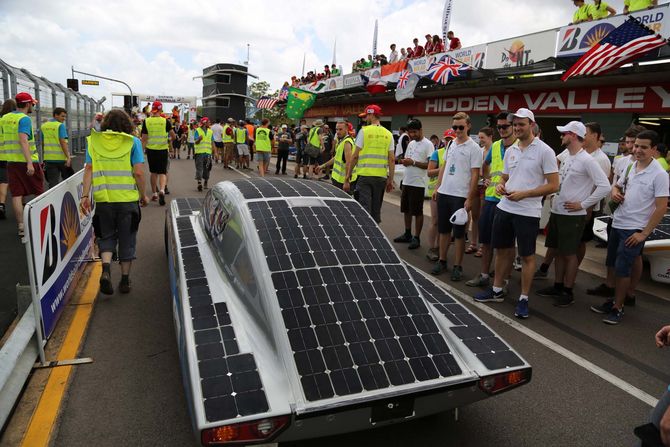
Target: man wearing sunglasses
x=456 y=188
x=530 y=172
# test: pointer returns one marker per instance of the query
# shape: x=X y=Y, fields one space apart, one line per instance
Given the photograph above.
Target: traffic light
x=73 y=84
x=126 y=102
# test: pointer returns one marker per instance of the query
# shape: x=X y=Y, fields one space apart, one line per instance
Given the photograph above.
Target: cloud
x=159 y=47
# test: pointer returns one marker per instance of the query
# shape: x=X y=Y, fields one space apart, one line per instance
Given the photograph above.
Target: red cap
x=157 y=105
x=204 y=120
x=25 y=97
x=372 y=108
x=449 y=133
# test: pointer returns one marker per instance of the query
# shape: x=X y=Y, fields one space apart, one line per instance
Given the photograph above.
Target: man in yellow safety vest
x=263 y=143
x=374 y=158
x=343 y=154
x=204 y=146
x=157 y=137
x=57 y=160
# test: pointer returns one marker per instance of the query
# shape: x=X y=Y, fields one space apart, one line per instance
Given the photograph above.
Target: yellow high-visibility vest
x=52 y=149
x=205 y=145
x=240 y=135
x=227 y=138
x=158 y=136
x=495 y=170
x=11 y=147
x=373 y=158
x=432 y=181
x=339 y=165
x=263 y=143
x=113 y=179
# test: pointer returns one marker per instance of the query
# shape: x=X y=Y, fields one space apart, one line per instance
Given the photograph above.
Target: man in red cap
x=24 y=173
x=375 y=160
x=156 y=131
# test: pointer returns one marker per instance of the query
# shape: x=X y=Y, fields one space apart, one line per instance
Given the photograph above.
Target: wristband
x=84 y=196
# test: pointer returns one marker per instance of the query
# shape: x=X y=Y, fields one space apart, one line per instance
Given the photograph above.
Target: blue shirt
x=26 y=126
x=136 y=154
x=435 y=157
x=62 y=131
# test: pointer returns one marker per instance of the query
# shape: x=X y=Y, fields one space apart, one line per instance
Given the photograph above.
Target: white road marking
x=579 y=360
x=240 y=172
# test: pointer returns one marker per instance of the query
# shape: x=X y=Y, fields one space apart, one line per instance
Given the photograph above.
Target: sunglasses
x=504 y=126
x=458 y=127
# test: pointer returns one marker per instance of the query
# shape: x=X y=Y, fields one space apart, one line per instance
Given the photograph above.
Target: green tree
x=276 y=115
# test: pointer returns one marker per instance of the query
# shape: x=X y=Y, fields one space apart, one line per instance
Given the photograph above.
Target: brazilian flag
x=298 y=102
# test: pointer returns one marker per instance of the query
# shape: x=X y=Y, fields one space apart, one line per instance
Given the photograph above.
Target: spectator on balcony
x=403 y=54
x=428 y=46
x=334 y=71
x=454 y=42
x=601 y=10
x=326 y=71
x=437 y=46
x=393 y=56
x=638 y=5
x=418 y=50
x=583 y=12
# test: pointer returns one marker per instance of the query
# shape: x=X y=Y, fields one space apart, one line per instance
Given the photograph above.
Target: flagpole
x=374 y=40
x=303 y=64
x=335 y=51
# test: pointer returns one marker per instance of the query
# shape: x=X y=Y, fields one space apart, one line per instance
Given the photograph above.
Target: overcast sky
x=158 y=47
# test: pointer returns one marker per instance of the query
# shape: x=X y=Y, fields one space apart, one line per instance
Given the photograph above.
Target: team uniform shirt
x=136 y=153
x=26 y=126
x=642 y=188
x=578 y=175
x=217 y=133
x=62 y=135
x=600 y=157
x=454 y=43
x=526 y=170
x=637 y=5
x=582 y=14
x=599 y=12
x=460 y=159
x=620 y=165
x=393 y=57
x=419 y=151
x=359 y=140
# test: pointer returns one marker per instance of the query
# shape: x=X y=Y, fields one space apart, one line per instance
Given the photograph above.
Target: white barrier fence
x=58 y=243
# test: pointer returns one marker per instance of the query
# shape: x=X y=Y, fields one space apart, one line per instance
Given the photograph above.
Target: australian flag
x=446 y=68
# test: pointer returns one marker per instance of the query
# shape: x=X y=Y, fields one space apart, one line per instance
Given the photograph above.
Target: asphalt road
x=132 y=394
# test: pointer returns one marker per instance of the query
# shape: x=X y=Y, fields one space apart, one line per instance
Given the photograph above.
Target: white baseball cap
x=460 y=217
x=575 y=127
x=525 y=113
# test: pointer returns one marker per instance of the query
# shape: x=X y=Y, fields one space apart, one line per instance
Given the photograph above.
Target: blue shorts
x=618 y=255
x=263 y=156
x=486 y=221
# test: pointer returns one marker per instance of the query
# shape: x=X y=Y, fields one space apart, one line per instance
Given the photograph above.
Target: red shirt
x=418 y=51
x=454 y=43
x=429 y=47
x=438 y=48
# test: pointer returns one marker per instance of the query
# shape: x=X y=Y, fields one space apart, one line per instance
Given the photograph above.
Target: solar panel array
x=354 y=318
x=188 y=206
x=488 y=348
x=275 y=187
x=230 y=383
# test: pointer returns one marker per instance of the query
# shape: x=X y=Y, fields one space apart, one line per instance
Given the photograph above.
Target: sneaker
x=405 y=238
x=457 y=273
x=601 y=290
x=521 y=310
x=433 y=254
x=517 y=264
x=539 y=274
x=489 y=296
x=199 y=186
x=564 y=299
x=629 y=301
x=106 y=284
x=478 y=281
x=614 y=317
x=439 y=267
x=295 y=175
x=603 y=308
x=124 y=286
x=548 y=291
x=167 y=191
x=161 y=198
x=154 y=197
x=3 y=212
x=416 y=243
x=206 y=187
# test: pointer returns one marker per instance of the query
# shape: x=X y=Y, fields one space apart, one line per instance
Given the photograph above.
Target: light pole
x=107 y=79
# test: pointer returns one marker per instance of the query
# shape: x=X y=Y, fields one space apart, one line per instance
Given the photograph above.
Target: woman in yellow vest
x=114 y=174
x=263 y=144
x=7 y=106
x=343 y=152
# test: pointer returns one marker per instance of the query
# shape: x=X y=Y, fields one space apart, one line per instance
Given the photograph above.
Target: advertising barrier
x=521 y=51
x=575 y=40
x=59 y=240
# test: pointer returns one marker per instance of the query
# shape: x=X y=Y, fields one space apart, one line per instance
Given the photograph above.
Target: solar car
x=296 y=319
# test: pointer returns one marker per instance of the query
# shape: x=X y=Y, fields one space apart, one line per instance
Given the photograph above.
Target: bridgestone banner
x=59 y=240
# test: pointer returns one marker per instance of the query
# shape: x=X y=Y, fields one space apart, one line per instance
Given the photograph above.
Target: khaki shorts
x=229 y=149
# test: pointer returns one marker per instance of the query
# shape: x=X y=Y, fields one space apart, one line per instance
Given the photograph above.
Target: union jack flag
x=445 y=68
x=402 y=80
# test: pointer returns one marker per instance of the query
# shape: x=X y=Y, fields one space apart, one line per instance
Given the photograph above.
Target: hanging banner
x=59 y=241
x=446 y=18
x=472 y=56
x=521 y=51
x=575 y=40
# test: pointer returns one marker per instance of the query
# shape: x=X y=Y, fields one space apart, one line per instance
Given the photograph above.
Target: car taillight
x=505 y=381
x=245 y=432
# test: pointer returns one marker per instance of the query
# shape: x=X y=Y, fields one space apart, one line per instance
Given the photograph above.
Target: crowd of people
x=587 y=12
x=311 y=76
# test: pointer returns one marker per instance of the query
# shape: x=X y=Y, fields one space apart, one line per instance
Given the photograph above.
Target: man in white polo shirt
x=414 y=182
x=582 y=184
x=530 y=172
x=642 y=193
x=456 y=188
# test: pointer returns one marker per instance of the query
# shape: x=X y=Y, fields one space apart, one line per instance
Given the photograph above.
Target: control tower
x=224 y=91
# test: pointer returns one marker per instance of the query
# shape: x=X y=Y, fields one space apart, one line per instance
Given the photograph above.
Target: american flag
x=266 y=102
x=283 y=93
x=627 y=42
x=402 y=79
x=445 y=68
